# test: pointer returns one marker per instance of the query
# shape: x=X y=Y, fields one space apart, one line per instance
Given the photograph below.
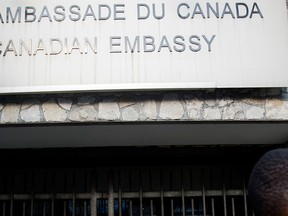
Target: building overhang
x=143 y=134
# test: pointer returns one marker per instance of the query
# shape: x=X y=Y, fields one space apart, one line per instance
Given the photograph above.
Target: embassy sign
x=106 y=45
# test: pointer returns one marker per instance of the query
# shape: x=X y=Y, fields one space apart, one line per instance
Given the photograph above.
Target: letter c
x=178 y=10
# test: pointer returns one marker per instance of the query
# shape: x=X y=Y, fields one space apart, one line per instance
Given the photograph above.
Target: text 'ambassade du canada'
x=125 y=43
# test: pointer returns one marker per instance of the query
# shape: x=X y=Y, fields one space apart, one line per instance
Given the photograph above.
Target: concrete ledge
x=144 y=134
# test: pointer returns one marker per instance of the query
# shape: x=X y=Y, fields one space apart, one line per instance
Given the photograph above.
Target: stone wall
x=200 y=105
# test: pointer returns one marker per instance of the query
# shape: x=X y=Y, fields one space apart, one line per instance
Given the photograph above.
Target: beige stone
x=254 y=101
x=10 y=113
x=53 y=112
x=276 y=109
x=148 y=110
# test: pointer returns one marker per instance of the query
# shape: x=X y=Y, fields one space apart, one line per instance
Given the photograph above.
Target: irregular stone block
x=211 y=114
x=233 y=112
x=130 y=114
x=148 y=110
x=31 y=114
x=53 y=112
x=108 y=110
x=83 y=113
x=171 y=108
x=276 y=109
x=255 y=113
x=194 y=109
x=10 y=113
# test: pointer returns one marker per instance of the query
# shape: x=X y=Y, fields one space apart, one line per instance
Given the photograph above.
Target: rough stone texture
x=53 y=112
x=277 y=109
x=171 y=108
x=212 y=114
x=194 y=109
x=130 y=114
x=109 y=110
x=256 y=113
x=233 y=112
x=148 y=110
x=197 y=105
x=31 y=114
x=10 y=113
x=83 y=113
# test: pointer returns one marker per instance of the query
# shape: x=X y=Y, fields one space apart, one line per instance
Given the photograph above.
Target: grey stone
x=65 y=103
x=53 y=112
x=108 y=110
x=239 y=116
x=194 y=109
x=1 y=106
x=255 y=113
x=10 y=113
x=31 y=114
x=148 y=110
x=211 y=114
x=130 y=114
x=233 y=112
x=171 y=108
x=83 y=113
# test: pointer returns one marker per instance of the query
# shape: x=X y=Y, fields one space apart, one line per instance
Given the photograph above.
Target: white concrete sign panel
x=72 y=45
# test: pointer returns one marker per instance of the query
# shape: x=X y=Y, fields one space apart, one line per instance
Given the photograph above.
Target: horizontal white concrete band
x=106 y=87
